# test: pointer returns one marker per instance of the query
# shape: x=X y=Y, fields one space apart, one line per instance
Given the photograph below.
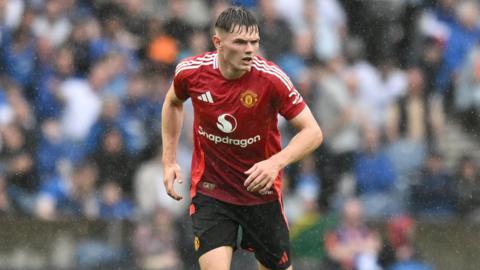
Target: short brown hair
x=233 y=18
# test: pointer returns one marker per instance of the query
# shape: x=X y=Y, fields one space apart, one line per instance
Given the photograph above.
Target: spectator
x=312 y=220
x=11 y=13
x=273 y=44
x=114 y=38
x=353 y=245
x=71 y=195
x=406 y=46
x=149 y=189
x=176 y=25
x=117 y=64
x=156 y=90
x=399 y=252
x=381 y=23
x=135 y=114
x=154 y=242
x=393 y=85
x=114 y=162
x=337 y=109
x=369 y=94
x=467 y=178
x=429 y=62
x=339 y=114
x=294 y=13
x=464 y=34
x=407 y=131
x=375 y=178
x=81 y=107
x=198 y=43
x=467 y=91
x=81 y=37
x=47 y=97
x=437 y=20
x=17 y=157
x=296 y=62
x=22 y=111
x=304 y=191
x=53 y=24
x=433 y=193
x=136 y=21
x=329 y=27
x=109 y=118
x=407 y=117
x=161 y=48
x=50 y=150
x=113 y=205
x=18 y=54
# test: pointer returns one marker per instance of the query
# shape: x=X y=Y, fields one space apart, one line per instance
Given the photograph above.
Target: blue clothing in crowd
x=120 y=210
x=374 y=172
x=461 y=41
x=48 y=154
x=433 y=194
x=410 y=265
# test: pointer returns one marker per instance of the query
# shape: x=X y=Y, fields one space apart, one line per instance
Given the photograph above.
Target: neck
x=227 y=70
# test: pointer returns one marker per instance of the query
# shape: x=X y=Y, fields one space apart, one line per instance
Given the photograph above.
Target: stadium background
x=393 y=83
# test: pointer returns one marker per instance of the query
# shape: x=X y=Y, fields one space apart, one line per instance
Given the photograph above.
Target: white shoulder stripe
x=289 y=86
x=275 y=69
x=192 y=67
x=195 y=61
x=263 y=63
x=205 y=57
x=215 y=61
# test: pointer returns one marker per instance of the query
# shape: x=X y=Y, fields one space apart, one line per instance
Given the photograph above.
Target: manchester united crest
x=249 y=98
x=196 y=243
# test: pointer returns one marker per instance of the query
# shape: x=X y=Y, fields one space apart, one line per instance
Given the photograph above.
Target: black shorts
x=261 y=229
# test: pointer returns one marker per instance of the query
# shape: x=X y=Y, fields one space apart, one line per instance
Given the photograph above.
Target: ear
x=217 y=41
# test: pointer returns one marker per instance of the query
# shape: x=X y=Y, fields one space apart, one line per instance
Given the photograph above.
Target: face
x=352 y=211
x=237 y=48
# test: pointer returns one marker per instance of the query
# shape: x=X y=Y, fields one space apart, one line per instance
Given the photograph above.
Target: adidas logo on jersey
x=207 y=97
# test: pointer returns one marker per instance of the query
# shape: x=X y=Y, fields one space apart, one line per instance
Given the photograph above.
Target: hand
x=172 y=173
x=261 y=176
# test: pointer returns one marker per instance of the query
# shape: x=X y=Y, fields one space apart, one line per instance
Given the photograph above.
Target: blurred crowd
x=82 y=84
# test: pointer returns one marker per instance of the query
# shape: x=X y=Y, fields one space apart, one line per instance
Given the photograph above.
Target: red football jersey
x=235 y=124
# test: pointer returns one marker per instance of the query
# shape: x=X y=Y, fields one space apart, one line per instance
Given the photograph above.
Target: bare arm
x=172 y=119
x=262 y=175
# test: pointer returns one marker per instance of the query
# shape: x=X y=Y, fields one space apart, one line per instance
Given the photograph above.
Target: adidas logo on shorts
x=283 y=259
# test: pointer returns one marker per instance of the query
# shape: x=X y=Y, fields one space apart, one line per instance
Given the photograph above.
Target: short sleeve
x=291 y=102
x=180 y=82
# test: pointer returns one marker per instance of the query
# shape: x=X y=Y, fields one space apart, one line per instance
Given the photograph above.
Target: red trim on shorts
x=280 y=201
x=277 y=186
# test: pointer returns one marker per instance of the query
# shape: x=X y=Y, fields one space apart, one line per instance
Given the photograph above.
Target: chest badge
x=249 y=98
x=196 y=243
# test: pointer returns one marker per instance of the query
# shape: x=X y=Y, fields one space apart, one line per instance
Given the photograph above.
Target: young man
x=237 y=159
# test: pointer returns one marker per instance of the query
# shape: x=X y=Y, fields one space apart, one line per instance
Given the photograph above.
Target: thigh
x=265 y=232
x=219 y=258
x=213 y=225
